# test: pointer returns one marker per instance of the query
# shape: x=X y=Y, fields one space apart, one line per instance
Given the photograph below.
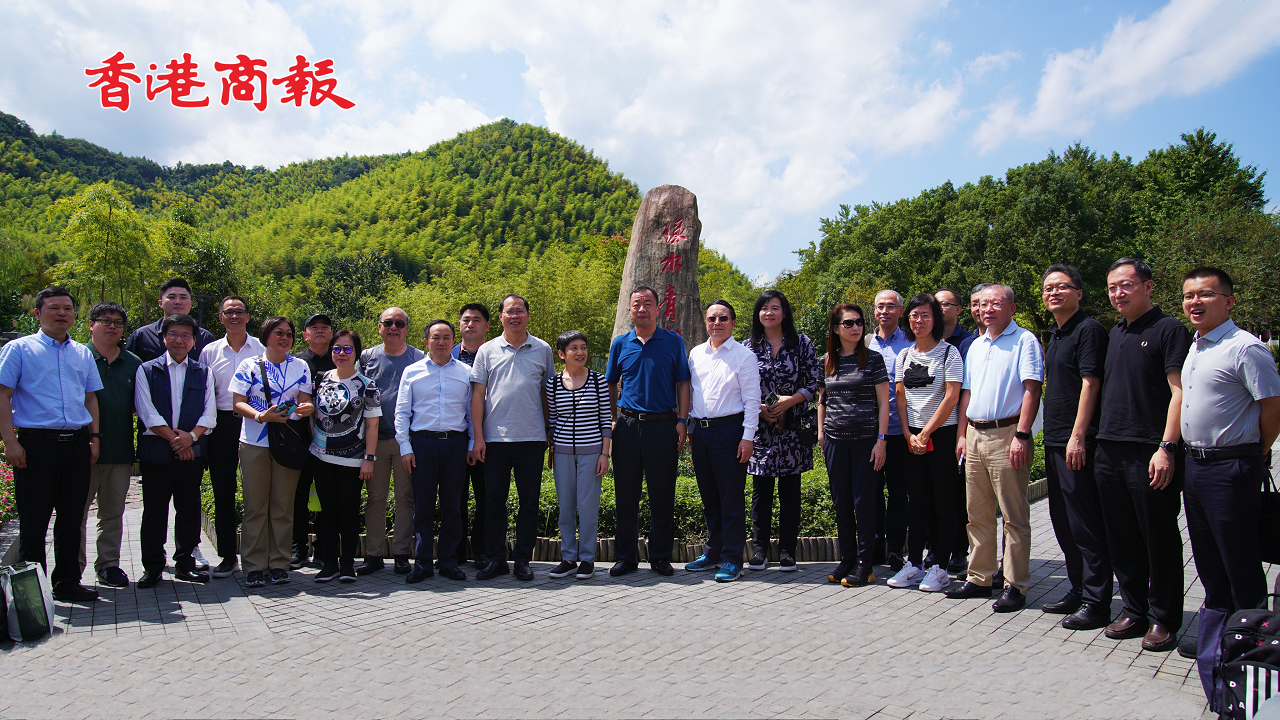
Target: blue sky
x=773 y=113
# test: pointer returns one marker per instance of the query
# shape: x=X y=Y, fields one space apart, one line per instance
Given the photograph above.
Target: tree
x=110 y=246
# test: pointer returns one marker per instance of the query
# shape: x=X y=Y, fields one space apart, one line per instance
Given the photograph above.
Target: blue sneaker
x=702 y=563
x=728 y=572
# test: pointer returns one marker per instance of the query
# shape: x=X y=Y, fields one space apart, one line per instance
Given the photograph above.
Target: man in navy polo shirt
x=147 y=342
x=649 y=430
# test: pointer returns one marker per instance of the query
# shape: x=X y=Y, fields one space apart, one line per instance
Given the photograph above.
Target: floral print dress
x=795 y=369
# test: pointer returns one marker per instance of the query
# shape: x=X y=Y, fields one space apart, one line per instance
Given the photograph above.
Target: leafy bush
x=8 y=504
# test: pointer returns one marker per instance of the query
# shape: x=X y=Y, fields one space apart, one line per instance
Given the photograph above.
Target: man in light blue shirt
x=998 y=402
x=49 y=423
x=891 y=521
x=433 y=428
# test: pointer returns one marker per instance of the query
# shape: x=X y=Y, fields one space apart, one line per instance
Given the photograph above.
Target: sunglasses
x=393 y=323
x=714 y=319
x=343 y=349
x=856 y=322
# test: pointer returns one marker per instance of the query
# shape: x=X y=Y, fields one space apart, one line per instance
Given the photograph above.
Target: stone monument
x=663 y=254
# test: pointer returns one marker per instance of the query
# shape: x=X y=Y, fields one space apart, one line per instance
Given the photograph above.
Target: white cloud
x=985 y=63
x=1182 y=49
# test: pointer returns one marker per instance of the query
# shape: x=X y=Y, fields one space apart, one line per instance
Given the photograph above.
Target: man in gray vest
x=174 y=397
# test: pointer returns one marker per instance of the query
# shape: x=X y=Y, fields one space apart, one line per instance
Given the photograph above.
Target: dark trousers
x=1222 y=499
x=645 y=452
x=224 y=460
x=301 y=513
x=891 y=516
x=1142 y=532
x=56 y=478
x=722 y=483
x=1076 y=512
x=475 y=477
x=502 y=460
x=931 y=488
x=855 y=486
x=788 y=512
x=338 y=527
x=178 y=481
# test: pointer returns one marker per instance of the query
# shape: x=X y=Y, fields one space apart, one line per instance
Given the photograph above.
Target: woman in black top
x=853 y=417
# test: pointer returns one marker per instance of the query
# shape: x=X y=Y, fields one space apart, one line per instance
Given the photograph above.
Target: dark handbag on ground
x=289 y=441
x=1247 y=673
x=1269 y=521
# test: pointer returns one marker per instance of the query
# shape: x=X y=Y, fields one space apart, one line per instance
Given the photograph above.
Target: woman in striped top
x=929 y=374
x=581 y=428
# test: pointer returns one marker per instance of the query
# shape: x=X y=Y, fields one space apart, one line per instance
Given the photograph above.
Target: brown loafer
x=1126 y=628
x=1158 y=639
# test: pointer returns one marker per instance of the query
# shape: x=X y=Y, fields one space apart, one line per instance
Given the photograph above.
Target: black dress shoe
x=419 y=573
x=1010 y=601
x=482 y=562
x=453 y=572
x=195 y=576
x=1090 y=616
x=370 y=565
x=402 y=565
x=1188 y=647
x=149 y=579
x=73 y=592
x=997 y=580
x=1068 y=604
x=622 y=567
x=494 y=570
x=663 y=567
x=968 y=590
x=1126 y=628
x=523 y=572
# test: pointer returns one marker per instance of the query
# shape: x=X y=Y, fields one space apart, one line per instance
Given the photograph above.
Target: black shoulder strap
x=266 y=388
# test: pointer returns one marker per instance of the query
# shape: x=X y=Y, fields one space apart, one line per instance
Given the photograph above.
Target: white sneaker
x=908 y=576
x=935 y=580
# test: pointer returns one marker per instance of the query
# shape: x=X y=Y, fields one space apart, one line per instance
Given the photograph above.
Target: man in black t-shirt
x=1138 y=463
x=1073 y=381
x=318 y=332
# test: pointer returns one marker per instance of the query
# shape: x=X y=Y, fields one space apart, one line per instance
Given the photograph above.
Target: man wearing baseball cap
x=317 y=331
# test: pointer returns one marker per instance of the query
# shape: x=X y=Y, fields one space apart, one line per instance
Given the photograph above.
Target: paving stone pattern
x=772 y=644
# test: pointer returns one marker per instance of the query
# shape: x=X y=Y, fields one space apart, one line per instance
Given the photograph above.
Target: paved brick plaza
x=770 y=645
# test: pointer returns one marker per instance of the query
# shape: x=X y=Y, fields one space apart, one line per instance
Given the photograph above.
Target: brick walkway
x=771 y=645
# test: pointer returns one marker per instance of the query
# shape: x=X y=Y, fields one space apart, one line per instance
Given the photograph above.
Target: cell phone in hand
x=287 y=407
x=772 y=399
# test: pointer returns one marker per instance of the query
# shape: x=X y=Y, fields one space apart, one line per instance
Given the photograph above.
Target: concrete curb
x=9 y=543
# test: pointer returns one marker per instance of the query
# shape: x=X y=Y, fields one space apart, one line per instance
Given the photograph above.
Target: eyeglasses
x=343 y=349
x=887 y=307
x=110 y=323
x=1051 y=289
x=1205 y=295
x=185 y=337
x=1126 y=288
x=915 y=317
x=394 y=323
x=856 y=322
x=234 y=313
x=712 y=320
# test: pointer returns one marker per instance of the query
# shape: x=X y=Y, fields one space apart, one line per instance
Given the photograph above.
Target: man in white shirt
x=174 y=398
x=723 y=419
x=222 y=357
x=433 y=430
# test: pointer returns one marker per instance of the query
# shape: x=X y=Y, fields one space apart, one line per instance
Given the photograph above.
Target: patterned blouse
x=795 y=369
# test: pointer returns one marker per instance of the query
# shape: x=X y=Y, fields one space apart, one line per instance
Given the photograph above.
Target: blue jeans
x=578 y=490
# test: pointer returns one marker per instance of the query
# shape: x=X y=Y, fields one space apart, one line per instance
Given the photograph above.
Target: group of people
x=925 y=428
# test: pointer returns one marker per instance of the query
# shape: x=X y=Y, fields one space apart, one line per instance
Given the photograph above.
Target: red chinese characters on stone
x=111 y=76
x=300 y=77
x=668 y=304
x=240 y=81
x=674 y=232
x=672 y=263
x=179 y=81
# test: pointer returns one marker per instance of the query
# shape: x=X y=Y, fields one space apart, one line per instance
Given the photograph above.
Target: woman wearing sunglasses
x=929 y=374
x=344 y=436
x=853 y=417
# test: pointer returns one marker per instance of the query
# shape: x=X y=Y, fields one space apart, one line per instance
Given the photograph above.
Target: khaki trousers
x=110 y=484
x=991 y=482
x=375 y=513
x=266 y=533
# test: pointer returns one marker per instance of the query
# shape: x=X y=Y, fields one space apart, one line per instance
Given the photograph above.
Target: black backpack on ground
x=1248 y=670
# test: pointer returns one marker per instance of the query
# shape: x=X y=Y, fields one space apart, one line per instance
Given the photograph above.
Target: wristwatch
x=682 y=421
x=880 y=436
x=95 y=435
x=370 y=458
x=1022 y=435
x=1169 y=447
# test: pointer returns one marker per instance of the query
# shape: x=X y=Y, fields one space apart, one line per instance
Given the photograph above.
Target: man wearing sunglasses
x=318 y=333
x=385 y=364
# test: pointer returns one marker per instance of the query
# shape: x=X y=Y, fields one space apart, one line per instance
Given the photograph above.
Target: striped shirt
x=936 y=368
x=580 y=418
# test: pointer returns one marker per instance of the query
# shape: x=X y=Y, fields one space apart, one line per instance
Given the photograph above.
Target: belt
x=56 y=435
x=989 y=424
x=718 y=421
x=437 y=434
x=646 y=416
x=1235 y=451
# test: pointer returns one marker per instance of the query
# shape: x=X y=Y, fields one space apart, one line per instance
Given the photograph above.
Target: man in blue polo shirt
x=49 y=423
x=889 y=340
x=652 y=366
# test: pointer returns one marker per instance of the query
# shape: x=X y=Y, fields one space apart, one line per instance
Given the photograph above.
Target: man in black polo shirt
x=147 y=342
x=1138 y=465
x=473 y=328
x=1073 y=381
x=318 y=332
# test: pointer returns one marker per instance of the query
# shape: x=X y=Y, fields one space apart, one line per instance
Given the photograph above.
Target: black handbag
x=289 y=441
x=1269 y=521
x=807 y=425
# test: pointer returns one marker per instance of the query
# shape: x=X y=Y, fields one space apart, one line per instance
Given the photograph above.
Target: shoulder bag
x=289 y=441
